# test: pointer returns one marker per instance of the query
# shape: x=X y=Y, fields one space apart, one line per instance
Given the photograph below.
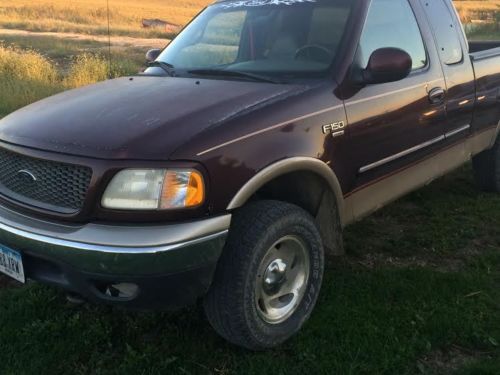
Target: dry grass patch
x=90 y=16
x=27 y=76
x=24 y=78
x=467 y=8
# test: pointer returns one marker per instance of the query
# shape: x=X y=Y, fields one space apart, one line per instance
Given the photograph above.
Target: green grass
x=63 y=51
x=483 y=32
x=434 y=289
x=53 y=47
x=453 y=222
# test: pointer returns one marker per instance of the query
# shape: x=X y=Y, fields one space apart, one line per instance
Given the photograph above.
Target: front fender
x=285 y=166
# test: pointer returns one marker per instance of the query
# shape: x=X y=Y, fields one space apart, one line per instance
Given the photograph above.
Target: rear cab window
x=392 y=23
x=446 y=33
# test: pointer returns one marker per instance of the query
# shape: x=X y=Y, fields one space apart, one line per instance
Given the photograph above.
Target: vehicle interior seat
x=284 y=48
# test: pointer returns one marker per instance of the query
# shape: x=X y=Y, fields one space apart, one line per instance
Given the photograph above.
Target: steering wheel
x=314 y=52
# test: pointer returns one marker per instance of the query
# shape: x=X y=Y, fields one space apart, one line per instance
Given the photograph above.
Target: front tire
x=487 y=168
x=269 y=276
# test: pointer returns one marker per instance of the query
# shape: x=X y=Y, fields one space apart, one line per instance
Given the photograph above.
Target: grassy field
x=90 y=16
x=468 y=7
x=419 y=293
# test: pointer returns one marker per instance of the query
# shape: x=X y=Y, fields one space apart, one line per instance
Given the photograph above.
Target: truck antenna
x=109 y=42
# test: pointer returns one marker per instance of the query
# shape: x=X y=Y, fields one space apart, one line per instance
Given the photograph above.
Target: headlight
x=154 y=189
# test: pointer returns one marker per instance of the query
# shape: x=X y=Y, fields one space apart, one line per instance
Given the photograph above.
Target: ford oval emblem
x=26 y=176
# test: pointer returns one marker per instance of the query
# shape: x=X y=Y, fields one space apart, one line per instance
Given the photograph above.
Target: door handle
x=437 y=95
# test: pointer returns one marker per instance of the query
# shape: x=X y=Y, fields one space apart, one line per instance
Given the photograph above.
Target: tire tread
x=487 y=169
x=220 y=304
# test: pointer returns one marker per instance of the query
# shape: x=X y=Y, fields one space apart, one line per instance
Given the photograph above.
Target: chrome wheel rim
x=282 y=279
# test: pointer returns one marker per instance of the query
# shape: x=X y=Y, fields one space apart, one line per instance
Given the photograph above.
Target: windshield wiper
x=168 y=68
x=232 y=73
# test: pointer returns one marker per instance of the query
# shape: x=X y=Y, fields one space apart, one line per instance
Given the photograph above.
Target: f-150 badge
x=335 y=129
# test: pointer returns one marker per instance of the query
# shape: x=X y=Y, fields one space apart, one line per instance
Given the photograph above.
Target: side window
x=392 y=23
x=445 y=32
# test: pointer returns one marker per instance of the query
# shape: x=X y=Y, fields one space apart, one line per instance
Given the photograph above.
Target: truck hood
x=143 y=117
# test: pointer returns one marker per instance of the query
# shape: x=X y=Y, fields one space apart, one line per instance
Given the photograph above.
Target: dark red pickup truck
x=226 y=171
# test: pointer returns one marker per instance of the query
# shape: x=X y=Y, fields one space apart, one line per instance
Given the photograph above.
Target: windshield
x=268 y=38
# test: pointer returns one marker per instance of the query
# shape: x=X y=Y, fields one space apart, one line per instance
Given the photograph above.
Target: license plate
x=11 y=264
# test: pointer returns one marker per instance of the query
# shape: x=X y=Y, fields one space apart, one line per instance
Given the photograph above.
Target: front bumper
x=161 y=265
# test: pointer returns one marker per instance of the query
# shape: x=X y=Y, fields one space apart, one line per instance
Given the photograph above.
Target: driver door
x=393 y=125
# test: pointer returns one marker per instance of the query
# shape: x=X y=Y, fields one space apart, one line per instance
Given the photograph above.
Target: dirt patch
x=442 y=262
x=379 y=260
x=448 y=361
x=120 y=41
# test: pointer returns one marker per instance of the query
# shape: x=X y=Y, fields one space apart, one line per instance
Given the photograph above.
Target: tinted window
x=445 y=32
x=391 y=23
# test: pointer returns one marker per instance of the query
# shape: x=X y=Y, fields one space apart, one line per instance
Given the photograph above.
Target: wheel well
x=302 y=188
x=313 y=193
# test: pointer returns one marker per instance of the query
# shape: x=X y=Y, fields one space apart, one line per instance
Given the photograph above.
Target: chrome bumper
x=138 y=250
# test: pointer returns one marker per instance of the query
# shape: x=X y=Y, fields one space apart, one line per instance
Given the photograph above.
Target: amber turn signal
x=182 y=189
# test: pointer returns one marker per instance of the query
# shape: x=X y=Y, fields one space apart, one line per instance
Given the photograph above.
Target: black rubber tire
x=487 y=169
x=230 y=303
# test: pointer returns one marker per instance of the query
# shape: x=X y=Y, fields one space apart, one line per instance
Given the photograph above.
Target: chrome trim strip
x=457 y=131
x=401 y=154
x=126 y=235
x=422 y=84
x=413 y=149
x=338 y=134
x=288 y=122
x=106 y=249
x=378 y=193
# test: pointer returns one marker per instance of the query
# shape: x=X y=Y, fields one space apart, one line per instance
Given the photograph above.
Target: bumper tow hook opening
x=120 y=290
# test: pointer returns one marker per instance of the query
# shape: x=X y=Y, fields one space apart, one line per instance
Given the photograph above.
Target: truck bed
x=485 y=56
x=490 y=47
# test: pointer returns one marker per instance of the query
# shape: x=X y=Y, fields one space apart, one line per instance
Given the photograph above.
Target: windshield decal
x=258 y=3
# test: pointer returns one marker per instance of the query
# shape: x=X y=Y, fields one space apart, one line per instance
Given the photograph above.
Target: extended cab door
x=393 y=125
x=456 y=64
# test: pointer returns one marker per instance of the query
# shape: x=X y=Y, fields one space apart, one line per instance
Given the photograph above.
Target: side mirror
x=387 y=65
x=152 y=54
